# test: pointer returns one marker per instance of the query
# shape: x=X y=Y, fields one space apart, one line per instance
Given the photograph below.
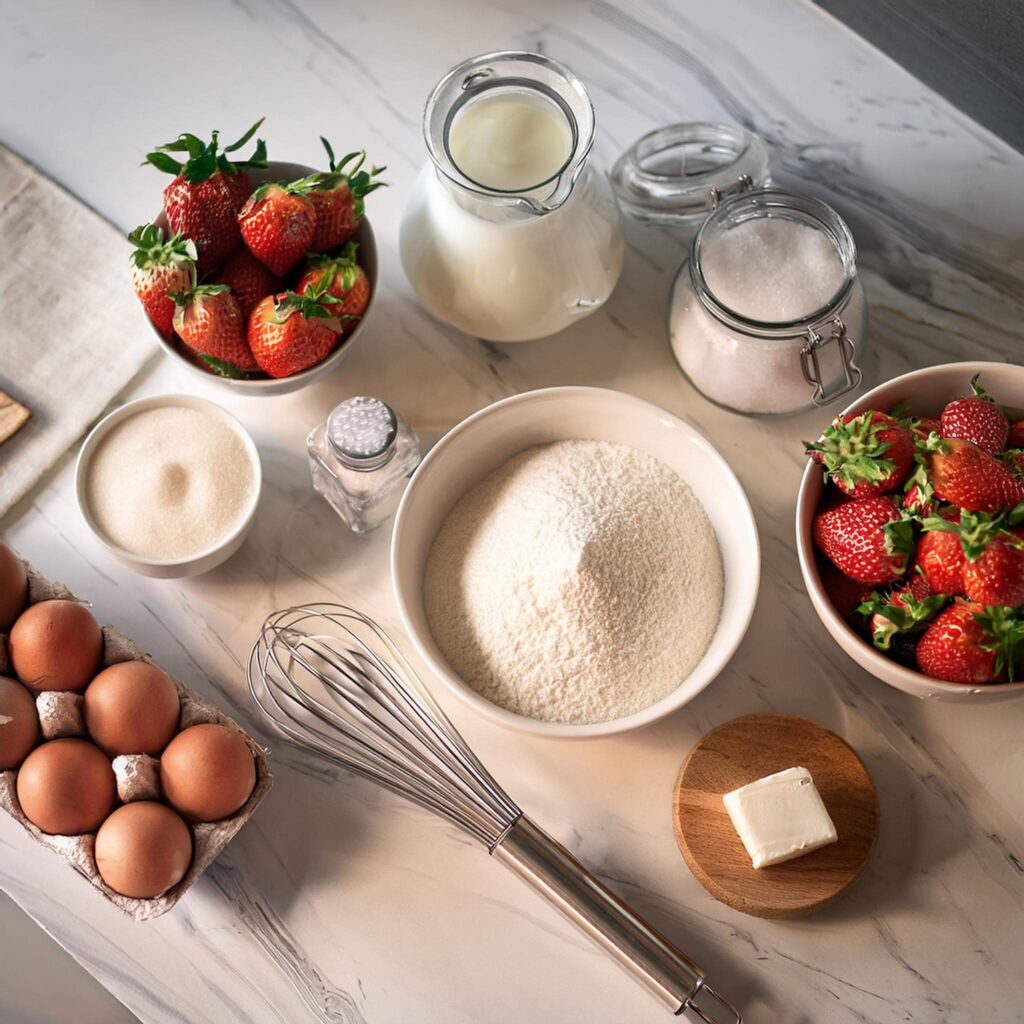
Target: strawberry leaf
x=852 y=452
x=153 y=251
x=975 y=529
x=1006 y=627
x=899 y=535
x=343 y=264
x=163 y=162
x=226 y=369
x=235 y=146
x=979 y=390
x=892 y=616
x=312 y=305
x=203 y=160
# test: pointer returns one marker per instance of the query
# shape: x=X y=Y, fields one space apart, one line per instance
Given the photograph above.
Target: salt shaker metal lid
x=678 y=174
x=361 y=431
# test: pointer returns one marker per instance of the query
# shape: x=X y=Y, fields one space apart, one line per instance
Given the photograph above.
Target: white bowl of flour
x=575 y=562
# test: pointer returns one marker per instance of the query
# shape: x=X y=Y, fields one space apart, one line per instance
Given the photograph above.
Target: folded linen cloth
x=71 y=334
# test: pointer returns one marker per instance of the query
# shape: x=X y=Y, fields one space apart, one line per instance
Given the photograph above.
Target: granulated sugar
x=579 y=582
x=772 y=269
x=169 y=482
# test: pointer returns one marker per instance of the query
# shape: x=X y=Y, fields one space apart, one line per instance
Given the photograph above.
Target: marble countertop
x=338 y=903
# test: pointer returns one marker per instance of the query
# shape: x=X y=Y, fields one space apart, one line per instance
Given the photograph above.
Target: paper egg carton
x=138 y=776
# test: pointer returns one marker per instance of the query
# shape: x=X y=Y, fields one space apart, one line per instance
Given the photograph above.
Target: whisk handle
x=550 y=869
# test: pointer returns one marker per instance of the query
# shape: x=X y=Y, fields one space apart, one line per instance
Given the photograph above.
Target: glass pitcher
x=485 y=248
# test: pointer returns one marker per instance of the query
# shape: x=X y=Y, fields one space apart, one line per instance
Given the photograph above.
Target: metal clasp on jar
x=810 y=363
x=744 y=183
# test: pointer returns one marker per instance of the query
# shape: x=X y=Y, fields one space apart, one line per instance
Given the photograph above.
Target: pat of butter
x=780 y=817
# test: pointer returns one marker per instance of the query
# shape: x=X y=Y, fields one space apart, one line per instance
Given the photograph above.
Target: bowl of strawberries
x=257 y=274
x=910 y=531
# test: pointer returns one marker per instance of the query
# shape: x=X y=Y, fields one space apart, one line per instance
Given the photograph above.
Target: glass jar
x=361 y=459
x=773 y=365
x=676 y=176
x=510 y=259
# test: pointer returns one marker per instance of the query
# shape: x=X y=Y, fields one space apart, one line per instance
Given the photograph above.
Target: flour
x=579 y=582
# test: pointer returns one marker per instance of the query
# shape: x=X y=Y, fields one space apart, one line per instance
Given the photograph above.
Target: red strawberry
x=976 y=419
x=159 y=268
x=996 y=576
x=916 y=499
x=338 y=198
x=208 y=320
x=903 y=610
x=277 y=225
x=865 y=454
x=291 y=332
x=965 y=476
x=844 y=593
x=249 y=280
x=343 y=279
x=993 y=551
x=940 y=557
x=969 y=643
x=1016 y=435
x=1013 y=459
x=208 y=190
x=922 y=426
x=866 y=539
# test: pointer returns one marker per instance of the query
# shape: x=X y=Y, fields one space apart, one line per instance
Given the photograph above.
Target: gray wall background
x=970 y=51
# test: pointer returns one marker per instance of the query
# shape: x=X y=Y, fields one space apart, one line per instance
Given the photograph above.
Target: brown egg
x=143 y=849
x=13 y=587
x=67 y=787
x=131 y=708
x=55 y=645
x=207 y=772
x=19 y=723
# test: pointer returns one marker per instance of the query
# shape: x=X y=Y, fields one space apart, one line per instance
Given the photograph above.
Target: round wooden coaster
x=749 y=748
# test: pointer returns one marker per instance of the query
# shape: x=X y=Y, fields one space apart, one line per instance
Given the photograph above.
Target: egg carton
x=138 y=777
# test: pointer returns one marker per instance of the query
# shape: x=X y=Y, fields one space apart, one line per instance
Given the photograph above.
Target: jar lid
x=362 y=429
x=678 y=174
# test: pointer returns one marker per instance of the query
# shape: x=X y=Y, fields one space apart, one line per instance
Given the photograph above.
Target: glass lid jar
x=768 y=316
x=678 y=174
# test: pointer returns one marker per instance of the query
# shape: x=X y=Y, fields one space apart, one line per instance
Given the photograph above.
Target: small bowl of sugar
x=575 y=562
x=169 y=485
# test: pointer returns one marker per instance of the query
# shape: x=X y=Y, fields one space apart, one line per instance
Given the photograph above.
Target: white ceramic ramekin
x=926 y=392
x=168 y=568
x=488 y=438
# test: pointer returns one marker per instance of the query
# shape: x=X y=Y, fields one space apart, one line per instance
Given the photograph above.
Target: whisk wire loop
x=332 y=680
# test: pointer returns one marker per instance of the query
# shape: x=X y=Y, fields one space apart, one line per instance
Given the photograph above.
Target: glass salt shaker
x=361 y=459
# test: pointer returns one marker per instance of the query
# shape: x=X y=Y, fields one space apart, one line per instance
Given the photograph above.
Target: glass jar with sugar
x=767 y=315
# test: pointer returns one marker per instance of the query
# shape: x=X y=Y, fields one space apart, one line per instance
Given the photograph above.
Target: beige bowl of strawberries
x=259 y=287
x=910 y=531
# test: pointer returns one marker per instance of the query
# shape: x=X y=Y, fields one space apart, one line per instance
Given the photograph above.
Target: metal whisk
x=331 y=680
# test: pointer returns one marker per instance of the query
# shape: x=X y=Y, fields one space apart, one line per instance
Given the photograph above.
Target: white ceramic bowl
x=278 y=170
x=481 y=443
x=926 y=391
x=168 y=568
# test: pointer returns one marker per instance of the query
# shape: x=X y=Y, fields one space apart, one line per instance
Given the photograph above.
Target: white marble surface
x=338 y=903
